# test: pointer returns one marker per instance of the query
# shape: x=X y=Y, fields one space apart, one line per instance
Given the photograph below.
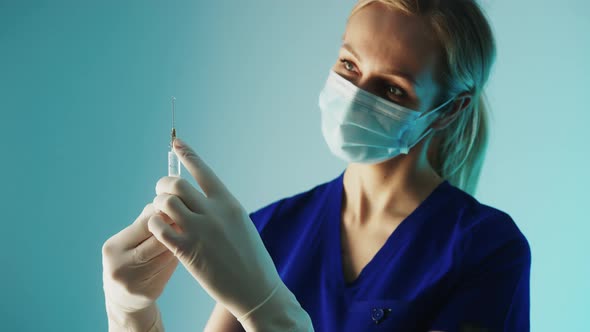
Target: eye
x=392 y=90
x=395 y=91
x=347 y=64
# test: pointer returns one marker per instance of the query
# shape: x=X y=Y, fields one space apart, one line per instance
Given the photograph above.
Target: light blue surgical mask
x=361 y=127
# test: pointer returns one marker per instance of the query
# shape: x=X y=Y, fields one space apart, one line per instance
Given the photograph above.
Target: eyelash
x=403 y=92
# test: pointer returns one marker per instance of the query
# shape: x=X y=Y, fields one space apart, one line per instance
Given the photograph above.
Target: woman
x=396 y=242
x=410 y=239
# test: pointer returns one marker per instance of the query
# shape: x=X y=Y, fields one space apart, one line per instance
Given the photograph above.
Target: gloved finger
x=134 y=234
x=164 y=216
x=152 y=267
x=165 y=233
x=211 y=184
x=151 y=247
x=147 y=250
x=164 y=262
x=176 y=228
x=192 y=198
x=174 y=208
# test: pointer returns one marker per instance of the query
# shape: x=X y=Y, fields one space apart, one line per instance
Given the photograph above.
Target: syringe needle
x=173 y=122
x=173 y=161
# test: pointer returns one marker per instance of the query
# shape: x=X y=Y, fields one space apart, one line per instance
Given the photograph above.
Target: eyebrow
x=391 y=71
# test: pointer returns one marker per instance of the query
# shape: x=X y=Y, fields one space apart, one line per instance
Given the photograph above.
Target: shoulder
x=291 y=206
x=485 y=232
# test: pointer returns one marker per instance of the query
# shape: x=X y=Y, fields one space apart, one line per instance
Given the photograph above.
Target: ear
x=460 y=103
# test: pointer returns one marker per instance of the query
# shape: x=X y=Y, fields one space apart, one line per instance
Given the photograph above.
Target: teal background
x=84 y=96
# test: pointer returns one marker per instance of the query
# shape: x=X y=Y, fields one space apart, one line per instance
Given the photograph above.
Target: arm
x=221 y=320
x=282 y=312
x=147 y=320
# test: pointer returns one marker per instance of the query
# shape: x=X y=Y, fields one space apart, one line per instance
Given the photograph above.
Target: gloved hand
x=136 y=267
x=218 y=243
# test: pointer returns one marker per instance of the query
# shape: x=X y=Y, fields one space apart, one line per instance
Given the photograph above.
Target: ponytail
x=461 y=146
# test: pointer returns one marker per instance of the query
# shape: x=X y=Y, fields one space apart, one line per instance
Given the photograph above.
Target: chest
x=360 y=245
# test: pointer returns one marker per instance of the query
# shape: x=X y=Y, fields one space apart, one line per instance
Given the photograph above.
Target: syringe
x=173 y=161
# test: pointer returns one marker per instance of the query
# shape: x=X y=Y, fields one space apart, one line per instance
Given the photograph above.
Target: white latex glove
x=136 y=267
x=220 y=246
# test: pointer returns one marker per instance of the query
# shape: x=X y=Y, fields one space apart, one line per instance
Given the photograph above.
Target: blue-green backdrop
x=84 y=99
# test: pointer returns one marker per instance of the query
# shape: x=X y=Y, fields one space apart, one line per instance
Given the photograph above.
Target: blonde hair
x=468 y=51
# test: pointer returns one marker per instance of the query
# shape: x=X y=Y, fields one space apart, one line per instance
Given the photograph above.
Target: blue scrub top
x=452 y=263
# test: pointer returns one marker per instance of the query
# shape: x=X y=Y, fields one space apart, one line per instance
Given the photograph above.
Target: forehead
x=387 y=37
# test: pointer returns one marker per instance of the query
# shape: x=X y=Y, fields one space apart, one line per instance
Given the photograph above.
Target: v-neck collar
x=397 y=238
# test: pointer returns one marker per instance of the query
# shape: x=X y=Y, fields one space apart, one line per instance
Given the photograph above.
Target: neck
x=393 y=188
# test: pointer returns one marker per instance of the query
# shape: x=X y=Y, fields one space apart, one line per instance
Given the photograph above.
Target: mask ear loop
x=427 y=113
x=407 y=148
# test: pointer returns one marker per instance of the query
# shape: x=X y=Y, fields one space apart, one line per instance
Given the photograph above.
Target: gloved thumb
x=164 y=233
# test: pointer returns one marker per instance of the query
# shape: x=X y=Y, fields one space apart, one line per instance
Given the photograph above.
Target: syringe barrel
x=173 y=164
